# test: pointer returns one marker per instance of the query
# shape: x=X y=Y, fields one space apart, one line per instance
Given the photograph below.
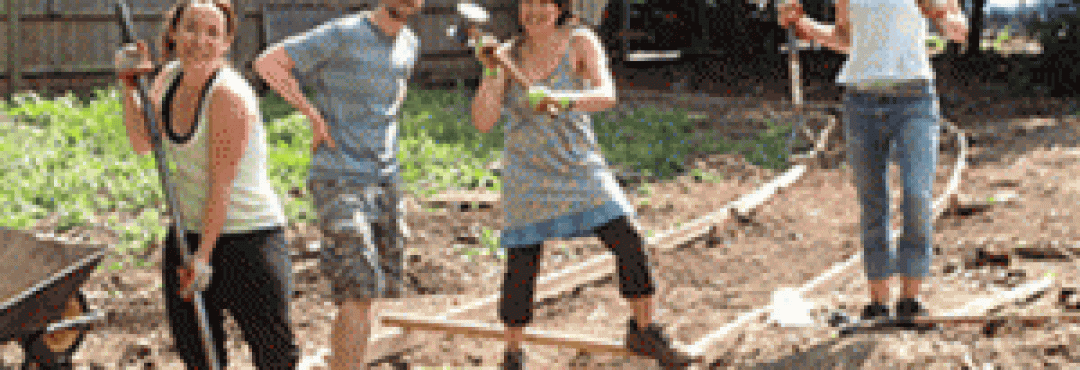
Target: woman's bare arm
x=591 y=63
x=230 y=119
x=947 y=16
x=487 y=104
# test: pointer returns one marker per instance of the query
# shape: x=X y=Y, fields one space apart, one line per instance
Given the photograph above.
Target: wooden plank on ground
x=495 y=331
x=747 y=204
x=983 y=306
x=547 y=286
x=954 y=179
x=1026 y=320
x=709 y=341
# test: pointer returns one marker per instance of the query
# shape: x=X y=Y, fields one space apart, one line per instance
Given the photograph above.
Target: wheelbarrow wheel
x=55 y=350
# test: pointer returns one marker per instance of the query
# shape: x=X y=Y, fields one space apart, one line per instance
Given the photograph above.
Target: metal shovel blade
x=474 y=13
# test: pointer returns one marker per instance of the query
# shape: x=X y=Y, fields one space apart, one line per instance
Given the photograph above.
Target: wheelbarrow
x=41 y=306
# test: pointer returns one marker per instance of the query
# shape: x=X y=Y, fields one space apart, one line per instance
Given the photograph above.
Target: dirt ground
x=1022 y=161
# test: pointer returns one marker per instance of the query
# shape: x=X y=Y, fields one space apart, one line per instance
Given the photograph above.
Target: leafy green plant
x=644 y=190
x=490 y=240
x=650 y=140
x=700 y=175
x=1002 y=37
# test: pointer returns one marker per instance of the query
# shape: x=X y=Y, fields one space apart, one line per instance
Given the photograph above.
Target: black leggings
x=252 y=281
x=519 y=281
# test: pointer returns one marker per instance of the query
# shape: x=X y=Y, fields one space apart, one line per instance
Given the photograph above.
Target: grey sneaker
x=513 y=360
x=651 y=342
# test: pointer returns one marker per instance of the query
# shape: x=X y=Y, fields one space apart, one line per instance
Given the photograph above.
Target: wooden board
x=494 y=331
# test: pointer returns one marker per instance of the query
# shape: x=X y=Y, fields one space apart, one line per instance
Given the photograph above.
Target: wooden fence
x=69 y=44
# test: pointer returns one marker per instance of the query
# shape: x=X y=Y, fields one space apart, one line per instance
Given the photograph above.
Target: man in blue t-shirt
x=358 y=66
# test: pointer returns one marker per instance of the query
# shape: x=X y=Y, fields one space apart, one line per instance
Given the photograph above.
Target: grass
x=71 y=158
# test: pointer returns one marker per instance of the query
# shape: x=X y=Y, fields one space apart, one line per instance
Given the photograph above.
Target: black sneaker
x=651 y=342
x=908 y=308
x=874 y=311
x=513 y=360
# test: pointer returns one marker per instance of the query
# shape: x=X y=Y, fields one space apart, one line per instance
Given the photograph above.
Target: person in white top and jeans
x=889 y=100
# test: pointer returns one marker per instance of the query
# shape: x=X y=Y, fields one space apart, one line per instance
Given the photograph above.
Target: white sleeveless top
x=253 y=204
x=888 y=42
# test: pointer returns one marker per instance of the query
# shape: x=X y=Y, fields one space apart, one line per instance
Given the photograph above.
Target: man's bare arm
x=274 y=66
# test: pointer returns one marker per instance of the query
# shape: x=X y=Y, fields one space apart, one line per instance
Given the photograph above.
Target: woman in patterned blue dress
x=556 y=183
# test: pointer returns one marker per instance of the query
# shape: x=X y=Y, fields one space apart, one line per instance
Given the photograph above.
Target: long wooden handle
x=793 y=58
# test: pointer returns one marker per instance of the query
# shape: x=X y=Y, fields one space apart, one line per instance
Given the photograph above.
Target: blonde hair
x=172 y=18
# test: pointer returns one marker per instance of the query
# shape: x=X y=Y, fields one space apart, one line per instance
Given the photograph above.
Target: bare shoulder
x=585 y=44
x=233 y=99
x=584 y=38
x=842 y=14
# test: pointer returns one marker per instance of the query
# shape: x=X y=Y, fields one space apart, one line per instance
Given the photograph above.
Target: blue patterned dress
x=556 y=183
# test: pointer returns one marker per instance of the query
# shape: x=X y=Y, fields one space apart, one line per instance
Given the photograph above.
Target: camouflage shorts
x=359 y=224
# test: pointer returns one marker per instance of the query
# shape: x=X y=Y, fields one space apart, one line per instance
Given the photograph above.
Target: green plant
x=1002 y=37
x=700 y=175
x=644 y=190
x=653 y=141
x=490 y=240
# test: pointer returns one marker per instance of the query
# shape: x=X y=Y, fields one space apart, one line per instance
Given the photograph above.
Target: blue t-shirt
x=359 y=75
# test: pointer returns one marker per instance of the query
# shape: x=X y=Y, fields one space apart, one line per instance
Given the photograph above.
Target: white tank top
x=888 y=42
x=253 y=204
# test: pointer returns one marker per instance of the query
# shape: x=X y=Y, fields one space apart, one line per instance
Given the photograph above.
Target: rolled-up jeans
x=876 y=123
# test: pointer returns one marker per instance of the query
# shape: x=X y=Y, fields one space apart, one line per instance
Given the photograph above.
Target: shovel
x=127 y=36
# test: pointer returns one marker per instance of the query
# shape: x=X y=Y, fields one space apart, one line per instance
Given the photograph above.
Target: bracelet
x=492 y=72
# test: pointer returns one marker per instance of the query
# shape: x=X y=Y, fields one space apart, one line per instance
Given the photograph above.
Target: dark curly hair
x=566 y=13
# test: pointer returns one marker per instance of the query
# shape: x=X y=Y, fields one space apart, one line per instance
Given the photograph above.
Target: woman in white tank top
x=213 y=136
x=889 y=104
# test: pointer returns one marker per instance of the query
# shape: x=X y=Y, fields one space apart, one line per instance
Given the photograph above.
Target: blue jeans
x=875 y=125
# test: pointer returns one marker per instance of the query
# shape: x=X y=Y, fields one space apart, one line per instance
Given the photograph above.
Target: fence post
x=240 y=15
x=13 y=61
